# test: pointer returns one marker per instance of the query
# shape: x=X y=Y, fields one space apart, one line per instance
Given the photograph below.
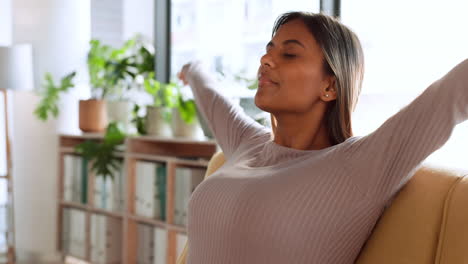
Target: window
x=407 y=46
x=228 y=35
x=113 y=22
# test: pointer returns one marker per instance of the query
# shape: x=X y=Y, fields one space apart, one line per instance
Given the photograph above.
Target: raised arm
x=228 y=122
x=389 y=155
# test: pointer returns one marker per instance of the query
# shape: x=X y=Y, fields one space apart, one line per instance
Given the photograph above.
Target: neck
x=304 y=132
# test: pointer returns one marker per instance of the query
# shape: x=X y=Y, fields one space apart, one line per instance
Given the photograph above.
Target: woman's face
x=291 y=75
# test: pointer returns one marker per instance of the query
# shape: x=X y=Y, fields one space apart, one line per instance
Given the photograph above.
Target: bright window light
x=407 y=46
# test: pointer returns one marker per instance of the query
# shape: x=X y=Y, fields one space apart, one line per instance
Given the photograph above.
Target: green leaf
x=51 y=95
x=140 y=122
x=114 y=134
x=187 y=110
x=102 y=155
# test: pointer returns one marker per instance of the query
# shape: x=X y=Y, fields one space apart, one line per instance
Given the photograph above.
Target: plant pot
x=185 y=130
x=120 y=111
x=155 y=123
x=92 y=115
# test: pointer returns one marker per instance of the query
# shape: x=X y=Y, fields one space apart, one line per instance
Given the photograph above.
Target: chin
x=262 y=102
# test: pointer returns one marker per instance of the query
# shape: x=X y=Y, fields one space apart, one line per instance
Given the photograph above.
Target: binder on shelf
x=181 y=239
x=4 y=226
x=106 y=235
x=99 y=196
x=73 y=233
x=180 y=176
x=145 y=244
x=84 y=180
x=108 y=192
x=150 y=190
x=161 y=177
x=113 y=237
x=187 y=179
x=97 y=241
x=3 y=246
x=65 y=232
x=117 y=196
x=75 y=179
x=68 y=176
x=196 y=177
x=160 y=246
x=5 y=217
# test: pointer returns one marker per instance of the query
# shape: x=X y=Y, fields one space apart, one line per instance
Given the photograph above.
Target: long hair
x=343 y=58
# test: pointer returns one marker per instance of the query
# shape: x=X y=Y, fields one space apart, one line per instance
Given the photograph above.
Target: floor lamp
x=15 y=74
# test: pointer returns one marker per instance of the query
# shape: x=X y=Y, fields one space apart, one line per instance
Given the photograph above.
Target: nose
x=267 y=60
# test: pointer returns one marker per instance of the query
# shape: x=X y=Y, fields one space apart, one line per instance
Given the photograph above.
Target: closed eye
x=289 y=55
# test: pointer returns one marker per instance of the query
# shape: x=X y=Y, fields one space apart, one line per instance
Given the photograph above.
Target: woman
x=308 y=191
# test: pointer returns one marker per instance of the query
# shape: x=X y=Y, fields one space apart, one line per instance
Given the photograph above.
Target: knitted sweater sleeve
x=228 y=122
x=386 y=158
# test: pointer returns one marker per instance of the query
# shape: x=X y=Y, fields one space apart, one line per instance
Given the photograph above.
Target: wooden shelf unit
x=8 y=257
x=173 y=153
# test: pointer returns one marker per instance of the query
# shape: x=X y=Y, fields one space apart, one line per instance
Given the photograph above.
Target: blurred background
x=142 y=44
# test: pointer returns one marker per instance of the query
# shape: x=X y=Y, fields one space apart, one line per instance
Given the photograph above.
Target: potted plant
x=184 y=118
x=158 y=115
x=111 y=71
x=136 y=63
x=93 y=112
x=50 y=96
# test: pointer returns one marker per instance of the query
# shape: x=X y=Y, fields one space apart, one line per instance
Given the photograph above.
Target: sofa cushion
x=408 y=230
x=453 y=242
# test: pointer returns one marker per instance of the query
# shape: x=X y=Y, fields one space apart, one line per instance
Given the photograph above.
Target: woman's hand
x=182 y=75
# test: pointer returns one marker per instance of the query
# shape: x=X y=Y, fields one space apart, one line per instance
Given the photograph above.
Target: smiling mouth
x=265 y=83
x=263 y=80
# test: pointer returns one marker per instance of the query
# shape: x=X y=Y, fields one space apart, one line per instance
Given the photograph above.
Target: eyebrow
x=288 y=41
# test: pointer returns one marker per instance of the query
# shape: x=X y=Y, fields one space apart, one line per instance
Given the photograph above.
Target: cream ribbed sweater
x=272 y=204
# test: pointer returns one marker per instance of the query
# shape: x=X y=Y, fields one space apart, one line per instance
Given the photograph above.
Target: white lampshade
x=16 y=70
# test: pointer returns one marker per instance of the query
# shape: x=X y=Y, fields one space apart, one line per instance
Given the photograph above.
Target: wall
x=106 y=21
x=138 y=18
x=59 y=32
x=5 y=22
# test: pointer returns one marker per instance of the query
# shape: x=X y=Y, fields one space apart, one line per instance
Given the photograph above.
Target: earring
x=326 y=95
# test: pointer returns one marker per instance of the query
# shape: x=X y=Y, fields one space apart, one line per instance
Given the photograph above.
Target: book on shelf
x=4 y=212
x=99 y=192
x=186 y=180
x=181 y=239
x=6 y=220
x=150 y=190
x=3 y=247
x=106 y=235
x=74 y=233
x=108 y=192
x=97 y=242
x=151 y=245
x=145 y=244
x=160 y=246
x=3 y=224
x=161 y=176
x=75 y=181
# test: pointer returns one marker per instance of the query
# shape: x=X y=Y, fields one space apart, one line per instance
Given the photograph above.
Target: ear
x=328 y=92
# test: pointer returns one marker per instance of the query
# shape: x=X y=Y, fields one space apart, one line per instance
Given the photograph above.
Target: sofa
x=426 y=222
